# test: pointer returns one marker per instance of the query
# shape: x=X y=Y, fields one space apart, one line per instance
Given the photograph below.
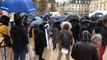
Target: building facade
x=85 y=6
x=78 y=6
x=98 y=5
x=75 y=6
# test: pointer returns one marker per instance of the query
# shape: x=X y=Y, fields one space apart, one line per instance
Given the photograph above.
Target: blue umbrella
x=18 y=6
x=38 y=18
x=47 y=16
x=37 y=21
x=62 y=19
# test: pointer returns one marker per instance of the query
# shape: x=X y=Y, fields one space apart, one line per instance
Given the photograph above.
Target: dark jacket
x=75 y=30
x=20 y=38
x=104 y=35
x=55 y=34
x=70 y=36
x=84 y=51
x=40 y=40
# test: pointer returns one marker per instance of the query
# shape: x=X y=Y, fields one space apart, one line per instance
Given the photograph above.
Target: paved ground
x=49 y=54
x=52 y=55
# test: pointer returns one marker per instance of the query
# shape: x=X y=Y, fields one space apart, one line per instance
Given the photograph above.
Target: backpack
x=6 y=39
x=65 y=40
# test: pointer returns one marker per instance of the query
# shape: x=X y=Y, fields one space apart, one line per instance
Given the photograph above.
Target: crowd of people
x=86 y=36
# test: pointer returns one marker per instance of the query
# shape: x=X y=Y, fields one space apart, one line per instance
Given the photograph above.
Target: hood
x=68 y=25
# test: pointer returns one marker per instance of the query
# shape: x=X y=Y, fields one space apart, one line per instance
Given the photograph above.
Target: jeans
x=21 y=54
x=39 y=52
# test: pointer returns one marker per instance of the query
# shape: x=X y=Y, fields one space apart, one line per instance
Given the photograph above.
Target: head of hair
x=4 y=20
x=97 y=30
x=16 y=16
x=36 y=26
x=41 y=27
x=18 y=21
x=86 y=36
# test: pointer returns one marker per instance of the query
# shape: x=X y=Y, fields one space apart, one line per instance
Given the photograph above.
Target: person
x=55 y=33
x=97 y=38
x=84 y=49
x=75 y=29
x=5 y=44
x=65 y=40
x=104 y=38
x=20 y=40
x=39 y=39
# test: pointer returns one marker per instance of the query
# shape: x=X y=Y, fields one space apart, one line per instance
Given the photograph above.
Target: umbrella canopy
x=96 y=16
x=72 y=17
x=38 y=18
x=36 y=22
x=86 y=22
x=104 y=17
x=18 y=6
x=46 y=16
x=62 y=19
x=97 y=13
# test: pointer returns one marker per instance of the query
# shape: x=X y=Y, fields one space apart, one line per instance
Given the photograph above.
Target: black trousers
x=39 y=51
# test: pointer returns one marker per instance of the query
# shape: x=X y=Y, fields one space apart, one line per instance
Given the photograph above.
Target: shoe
x=54 y=48
x=43 y=59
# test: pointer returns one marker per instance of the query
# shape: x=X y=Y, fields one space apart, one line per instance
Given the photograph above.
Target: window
x=76 y=2
x=79 y=2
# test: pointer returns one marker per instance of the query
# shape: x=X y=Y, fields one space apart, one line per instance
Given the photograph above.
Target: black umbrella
x=104 y=17
x=96 y=16
x=72 y=17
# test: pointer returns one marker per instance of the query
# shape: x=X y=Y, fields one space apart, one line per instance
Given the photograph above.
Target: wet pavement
x=50 y=54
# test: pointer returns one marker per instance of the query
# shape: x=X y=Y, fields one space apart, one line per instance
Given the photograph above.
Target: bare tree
x=42 y=5
x=53 y=8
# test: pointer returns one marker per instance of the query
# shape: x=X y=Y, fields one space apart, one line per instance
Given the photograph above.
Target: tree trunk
x=53 y=8
x=42 y=5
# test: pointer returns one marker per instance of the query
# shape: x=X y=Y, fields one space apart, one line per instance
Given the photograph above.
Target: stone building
x=76 y=6
x=98 y=5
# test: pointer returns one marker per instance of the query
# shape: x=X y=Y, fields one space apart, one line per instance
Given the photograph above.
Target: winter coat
x=4 y=32
x=70 y=36
x=104 y=35
x=84 y=51
x=19 y=37
x=40 y=40
x=55 y=33
x=75 y=30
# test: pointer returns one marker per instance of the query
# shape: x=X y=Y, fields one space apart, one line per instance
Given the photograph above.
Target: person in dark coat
x=104 y=39
x=75 y=28
x=20 y=40
x=55 y=33
x=85 y=25
x=40 y=40
x=84 y=49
